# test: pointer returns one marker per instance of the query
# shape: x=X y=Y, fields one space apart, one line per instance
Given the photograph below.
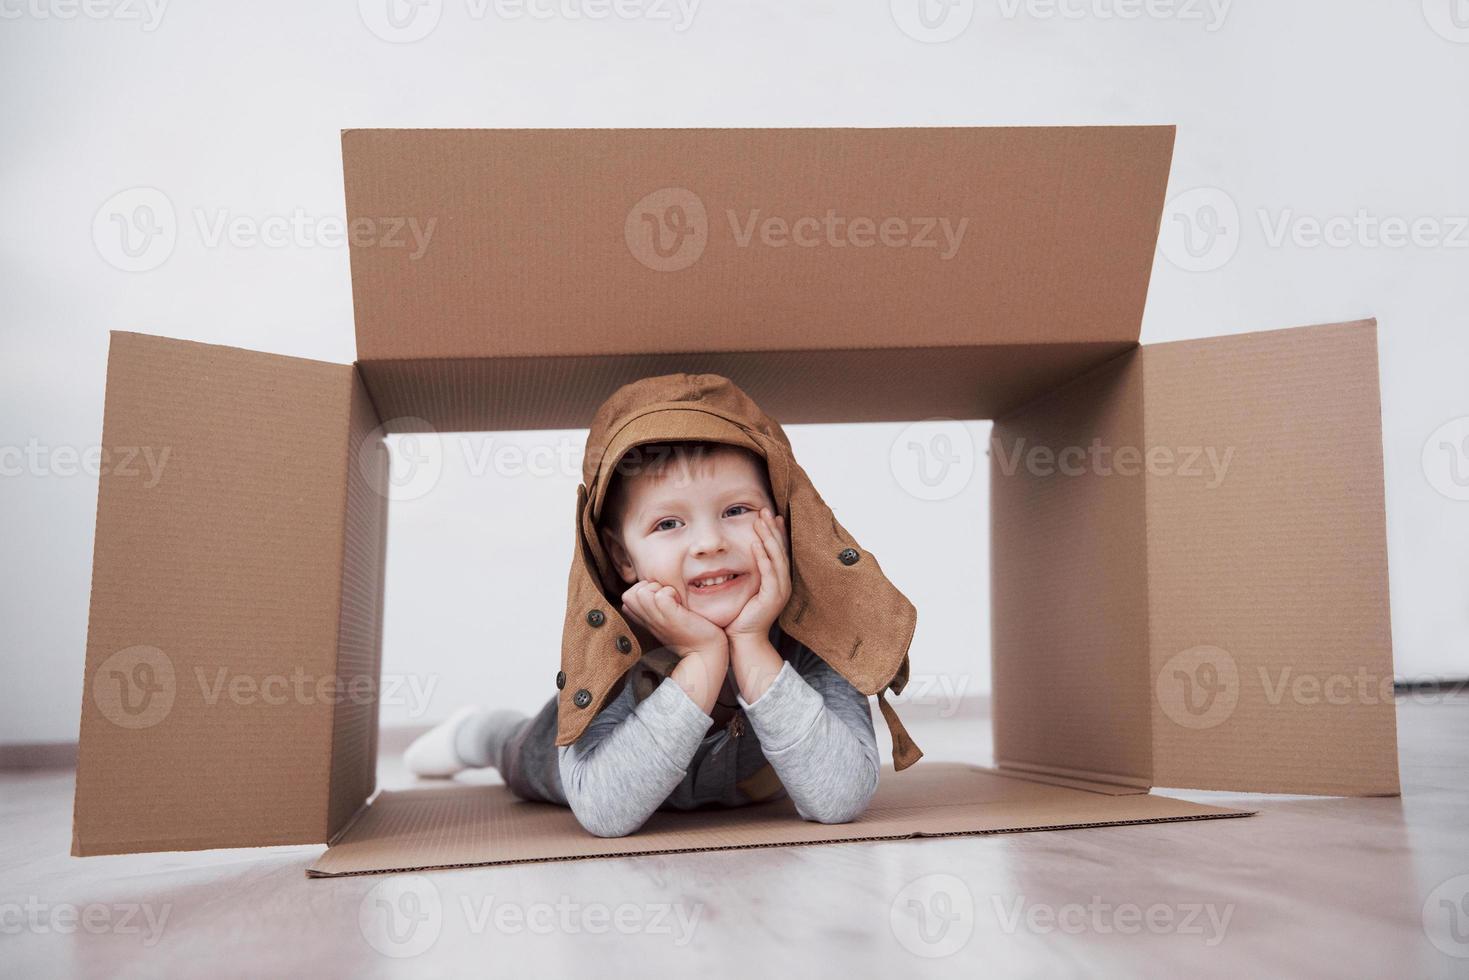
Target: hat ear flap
x=842 y=606
x=593 y=661
x=588 y=539
x=778 y=463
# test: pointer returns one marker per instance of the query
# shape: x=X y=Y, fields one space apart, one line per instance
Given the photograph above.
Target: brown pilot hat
x=842 y=606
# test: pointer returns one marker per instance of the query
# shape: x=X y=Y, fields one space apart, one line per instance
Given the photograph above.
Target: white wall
x=1318 y=109
x=477 y=565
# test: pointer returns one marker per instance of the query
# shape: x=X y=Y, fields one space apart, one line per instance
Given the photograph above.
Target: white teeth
x=712 y=581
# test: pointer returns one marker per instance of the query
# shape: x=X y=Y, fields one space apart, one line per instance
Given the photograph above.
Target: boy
x=728 y=708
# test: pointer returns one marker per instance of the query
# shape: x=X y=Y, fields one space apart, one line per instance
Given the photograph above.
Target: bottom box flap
x=464 y=826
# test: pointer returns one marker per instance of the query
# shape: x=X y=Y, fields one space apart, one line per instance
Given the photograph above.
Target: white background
x=1310 y=110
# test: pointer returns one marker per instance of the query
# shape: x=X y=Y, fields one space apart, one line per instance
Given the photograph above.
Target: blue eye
x=659 y=526
x=740 y=507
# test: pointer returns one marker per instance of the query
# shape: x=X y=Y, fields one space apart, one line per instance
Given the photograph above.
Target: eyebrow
x=665 y=503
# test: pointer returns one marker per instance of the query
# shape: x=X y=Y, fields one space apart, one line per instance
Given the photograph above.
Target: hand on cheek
x=773 y=566
x=661 y=611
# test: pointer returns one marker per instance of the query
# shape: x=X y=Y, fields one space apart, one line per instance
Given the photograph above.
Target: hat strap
x=905 y=751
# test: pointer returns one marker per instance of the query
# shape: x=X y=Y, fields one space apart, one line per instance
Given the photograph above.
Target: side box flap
x=232 y=646
x=1068 y=581
x=1267 y=563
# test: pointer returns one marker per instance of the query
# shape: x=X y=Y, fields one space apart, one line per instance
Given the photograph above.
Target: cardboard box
x=1152 y=626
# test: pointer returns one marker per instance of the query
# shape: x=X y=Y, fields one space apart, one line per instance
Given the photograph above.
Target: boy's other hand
x=659 y=609
x=771 y=557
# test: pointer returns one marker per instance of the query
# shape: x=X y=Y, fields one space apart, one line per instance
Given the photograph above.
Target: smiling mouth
x=724 y=582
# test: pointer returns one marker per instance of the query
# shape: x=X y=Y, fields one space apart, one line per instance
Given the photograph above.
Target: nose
x=708 y=538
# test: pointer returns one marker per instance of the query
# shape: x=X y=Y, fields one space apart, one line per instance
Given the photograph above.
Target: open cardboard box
x=1149 y=629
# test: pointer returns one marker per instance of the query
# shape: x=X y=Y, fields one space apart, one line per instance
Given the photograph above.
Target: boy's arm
x=630 y=758
x=816 y=730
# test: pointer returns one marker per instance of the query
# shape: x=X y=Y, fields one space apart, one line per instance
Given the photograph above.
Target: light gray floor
x=1309 y=887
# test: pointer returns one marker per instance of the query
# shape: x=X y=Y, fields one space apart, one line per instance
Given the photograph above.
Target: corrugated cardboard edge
x=351 y=821
x=1115 y=785
x=351 y=775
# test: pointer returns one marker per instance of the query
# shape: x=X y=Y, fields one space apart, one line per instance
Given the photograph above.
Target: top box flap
x=232 y=586
x=525 y=243
x=1267 y=563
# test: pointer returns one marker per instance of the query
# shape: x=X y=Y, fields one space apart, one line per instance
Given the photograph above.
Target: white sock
x=471 y=737
x=482 y=735
x=433 y=753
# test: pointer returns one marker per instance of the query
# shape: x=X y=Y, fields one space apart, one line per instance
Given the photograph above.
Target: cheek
x=662 y=563
x=746 y=545
x=745 y=541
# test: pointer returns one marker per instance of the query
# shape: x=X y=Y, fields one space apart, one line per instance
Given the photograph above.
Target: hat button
x=560 y=679
x=624 y=644
x=583 y=698
x=596 y=617
x=848 y=556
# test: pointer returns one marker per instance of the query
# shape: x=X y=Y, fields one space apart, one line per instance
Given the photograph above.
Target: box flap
x=1189 y=570
x=1068 y=581
x=236 y=573
x=1269 y=627
x=542 y=247
x=891 y=384
x=461 y=826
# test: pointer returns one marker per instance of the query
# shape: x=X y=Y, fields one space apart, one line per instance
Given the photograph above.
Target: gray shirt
x=809 y=737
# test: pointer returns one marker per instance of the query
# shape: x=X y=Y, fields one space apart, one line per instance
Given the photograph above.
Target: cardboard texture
x=464 y=825
x=1151 y=628
x=1025 y=259
x=1266 y=568
x=256 y=556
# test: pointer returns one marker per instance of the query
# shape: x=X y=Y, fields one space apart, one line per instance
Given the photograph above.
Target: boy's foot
x=470 y=738
x=433 y=754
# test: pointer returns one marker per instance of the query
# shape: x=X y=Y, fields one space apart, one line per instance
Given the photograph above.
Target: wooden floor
x=1310 y=887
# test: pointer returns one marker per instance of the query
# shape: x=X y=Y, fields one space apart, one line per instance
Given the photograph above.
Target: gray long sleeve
x=630 y=759
x=816 y=730
x=811 y=726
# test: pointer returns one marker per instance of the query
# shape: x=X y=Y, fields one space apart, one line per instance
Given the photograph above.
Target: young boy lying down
x=681 y=516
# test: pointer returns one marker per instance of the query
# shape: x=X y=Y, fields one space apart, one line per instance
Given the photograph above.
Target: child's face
x=694 y=519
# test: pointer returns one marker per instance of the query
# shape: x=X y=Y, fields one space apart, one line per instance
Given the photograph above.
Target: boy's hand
x=658 y=609
x=765 y=606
